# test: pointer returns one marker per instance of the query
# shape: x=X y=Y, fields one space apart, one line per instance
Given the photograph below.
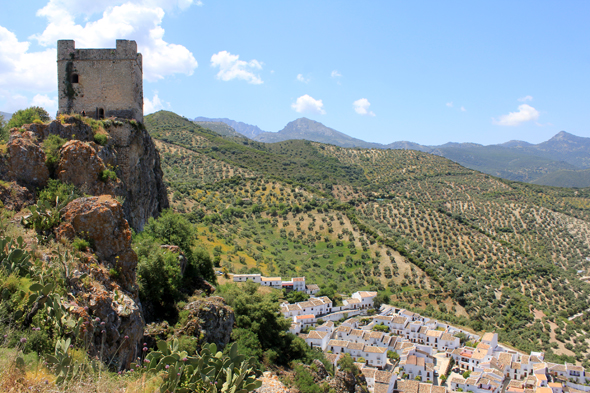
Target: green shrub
x=107 y=175
x=51 y=146
x=28 y=116
x=80 y=244
x=158 y=277
x=101 y=139
x=114 y=273
x=57 y=192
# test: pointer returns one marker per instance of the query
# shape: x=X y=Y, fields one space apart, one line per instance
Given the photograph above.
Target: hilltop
x=455 y=243
x=514 y=160
x=247 y=130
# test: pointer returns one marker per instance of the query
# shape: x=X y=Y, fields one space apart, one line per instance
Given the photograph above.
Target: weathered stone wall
x=107 y=79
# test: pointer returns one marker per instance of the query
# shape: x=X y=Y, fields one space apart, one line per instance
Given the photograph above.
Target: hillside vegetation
x=454 y=243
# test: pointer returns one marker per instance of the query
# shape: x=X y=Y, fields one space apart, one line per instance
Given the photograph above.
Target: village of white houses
x=401 y=351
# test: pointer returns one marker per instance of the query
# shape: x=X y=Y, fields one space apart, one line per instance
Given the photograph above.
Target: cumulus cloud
x=137 y=20
x=44 y=101
x=525 y=98
x=231 y=67
x=306 y=103
x=450 y=104
x=336 y=74
x=21 y=69
x=362 y=107
x=525 y=113
x=463 y=109
x=153 y=105
x=300 y=78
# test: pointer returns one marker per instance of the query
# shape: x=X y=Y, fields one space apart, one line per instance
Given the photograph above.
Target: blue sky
x=383 y=71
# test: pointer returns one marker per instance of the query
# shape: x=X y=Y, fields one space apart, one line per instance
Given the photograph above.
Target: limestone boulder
x=25 y=162
x=15 y=197
x=113 y=324
x=70 y=128
x=101 y=221
x=210 y=320
x=81 y=166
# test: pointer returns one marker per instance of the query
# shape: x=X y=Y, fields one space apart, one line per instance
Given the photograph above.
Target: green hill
x=565 y=178
x=450 y=241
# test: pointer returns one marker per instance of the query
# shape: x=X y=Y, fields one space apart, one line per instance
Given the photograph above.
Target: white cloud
x=49 y=104
x=525 y=98
x=153 y=105
x=335 y=74
x=525 y=113
x=463 y=109
x=362 y=107
x=230 y=67
x=140 y=21
x=309 y=104
x=450 y=104
x=21 y=69
x=11 y=102
x=300 y=78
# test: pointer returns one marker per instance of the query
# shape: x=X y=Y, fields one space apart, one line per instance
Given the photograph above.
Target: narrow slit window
x=74 y=78
x=100 y=113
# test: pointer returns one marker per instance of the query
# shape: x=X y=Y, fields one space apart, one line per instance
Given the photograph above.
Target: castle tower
x=100 y=82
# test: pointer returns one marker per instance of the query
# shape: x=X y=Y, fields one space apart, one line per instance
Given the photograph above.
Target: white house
x=273 y=282
x=490 y=339
x=305 y=320
x=384 y=381
x=299 y=284
x=366 y=298
x=257 y=278
x=337 y=346
x=375 y=356
x=318 y=339
x=291 y=310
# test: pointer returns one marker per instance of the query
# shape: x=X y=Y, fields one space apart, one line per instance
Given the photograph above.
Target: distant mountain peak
x=563 y=135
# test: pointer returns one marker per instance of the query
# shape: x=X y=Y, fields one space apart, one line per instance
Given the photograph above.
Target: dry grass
x=37 y=378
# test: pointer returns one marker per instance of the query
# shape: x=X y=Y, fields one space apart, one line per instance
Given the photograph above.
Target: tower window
x=74 y=78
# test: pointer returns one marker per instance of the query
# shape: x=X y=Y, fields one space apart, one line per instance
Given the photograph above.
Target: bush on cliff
x=158 y=278
x=28 y=116
x=174 y=229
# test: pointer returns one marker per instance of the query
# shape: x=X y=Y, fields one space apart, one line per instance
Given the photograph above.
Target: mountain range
x=6 y=115
x=563 y=160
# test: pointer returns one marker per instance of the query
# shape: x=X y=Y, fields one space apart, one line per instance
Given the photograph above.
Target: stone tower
x=100 y=82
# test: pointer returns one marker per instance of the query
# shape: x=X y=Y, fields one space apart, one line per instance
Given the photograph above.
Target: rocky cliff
x=110 y=294
x=126 y=150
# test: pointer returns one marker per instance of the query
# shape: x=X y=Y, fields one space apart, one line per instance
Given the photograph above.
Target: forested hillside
x=428 y=233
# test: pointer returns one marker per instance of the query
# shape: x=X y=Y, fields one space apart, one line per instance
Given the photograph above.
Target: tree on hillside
x=173 y=228
x=28 y=116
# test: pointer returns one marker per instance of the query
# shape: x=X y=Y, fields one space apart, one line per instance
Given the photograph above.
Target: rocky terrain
x=128 y=151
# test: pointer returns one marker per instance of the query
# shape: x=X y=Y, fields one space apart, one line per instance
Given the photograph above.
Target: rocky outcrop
x=69 y=128
x=25 y=162
x=91 y=180
x=138 y=166
x=210 y=319
x=15 y=197
x=129 y=151
x=341 y=382
x=112 y=297
x=101 y=221
x=347 y=382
